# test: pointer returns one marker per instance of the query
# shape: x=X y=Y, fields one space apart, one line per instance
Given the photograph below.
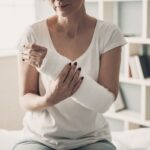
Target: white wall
x=10 y=111
x=43 y=9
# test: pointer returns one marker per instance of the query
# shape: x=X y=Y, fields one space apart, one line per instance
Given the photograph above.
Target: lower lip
x=61 y=7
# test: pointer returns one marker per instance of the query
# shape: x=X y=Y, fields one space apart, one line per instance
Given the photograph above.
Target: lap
x=34 y=145
x=100 y=145
x=31 y=145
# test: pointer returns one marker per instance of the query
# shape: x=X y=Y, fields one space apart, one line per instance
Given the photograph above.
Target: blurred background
x=132 y=109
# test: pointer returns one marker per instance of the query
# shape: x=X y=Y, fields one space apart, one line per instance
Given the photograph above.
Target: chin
x=63 y=14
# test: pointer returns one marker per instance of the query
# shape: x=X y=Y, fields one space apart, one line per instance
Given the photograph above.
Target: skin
x=71 y=30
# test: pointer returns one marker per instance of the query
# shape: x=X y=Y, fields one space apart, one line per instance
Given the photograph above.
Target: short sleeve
x=113 y=38
x=27 y=37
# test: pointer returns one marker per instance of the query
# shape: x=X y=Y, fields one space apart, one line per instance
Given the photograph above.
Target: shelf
x=91 y=1
x=128 y=116
x=138 y=40
x=125 y=13
x=131 y=81
x=145 y=82
x=121 y=0
x=132 y=17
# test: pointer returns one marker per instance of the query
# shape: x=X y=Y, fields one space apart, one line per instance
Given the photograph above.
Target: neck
x=72 y=24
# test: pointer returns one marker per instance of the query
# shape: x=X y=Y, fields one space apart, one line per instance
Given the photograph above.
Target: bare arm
x=66 y=83
x=109 y=70
x=28 y=87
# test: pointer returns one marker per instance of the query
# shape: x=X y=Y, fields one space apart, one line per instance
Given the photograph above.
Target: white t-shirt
x=69 y=125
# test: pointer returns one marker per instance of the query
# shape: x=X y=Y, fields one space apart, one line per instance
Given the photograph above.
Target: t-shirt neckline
x=64 y=57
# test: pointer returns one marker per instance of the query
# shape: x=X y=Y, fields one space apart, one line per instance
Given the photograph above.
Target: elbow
x=114 y=91
x=21 y=103
x=108 y=100
x=114 y=94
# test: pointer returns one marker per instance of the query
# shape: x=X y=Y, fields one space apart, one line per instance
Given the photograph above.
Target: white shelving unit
x=133 y=18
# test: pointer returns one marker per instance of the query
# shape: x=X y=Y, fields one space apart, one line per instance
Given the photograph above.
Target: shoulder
x=39 y=27
x=107 y=27
x=36 y=26
x=32 y=30
x=30 y=34
x=110 y=36
x=35 y=31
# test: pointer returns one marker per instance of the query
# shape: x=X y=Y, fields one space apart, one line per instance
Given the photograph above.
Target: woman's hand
x=34 y=54
x=66 y=84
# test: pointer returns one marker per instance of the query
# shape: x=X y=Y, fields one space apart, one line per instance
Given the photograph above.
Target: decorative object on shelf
x=140 y=67
x=145 y=64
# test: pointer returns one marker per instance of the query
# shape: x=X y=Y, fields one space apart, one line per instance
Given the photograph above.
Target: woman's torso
x=67 y=124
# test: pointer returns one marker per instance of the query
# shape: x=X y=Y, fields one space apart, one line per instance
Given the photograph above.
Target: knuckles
x=63 y=74
x=30 y=51
x=33 y=46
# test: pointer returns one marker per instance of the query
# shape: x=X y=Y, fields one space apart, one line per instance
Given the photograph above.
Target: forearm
x=52 y=65
x=90 y=94
x=33 y=102
x=93 y=96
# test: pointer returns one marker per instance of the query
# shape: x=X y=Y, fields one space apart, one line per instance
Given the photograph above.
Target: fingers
x=32 y=62
x=30 y=59
x=35 y=50
x=75 y=78
x=63 y=74
x=71 y=73
x=72 y=80
x=34 y=46
x=77 y=85
x=33 y=54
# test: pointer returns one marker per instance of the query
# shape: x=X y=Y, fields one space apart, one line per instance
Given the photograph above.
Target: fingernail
x=22 y=59
x=82 y=78
x=75 y=63
x=79 y=69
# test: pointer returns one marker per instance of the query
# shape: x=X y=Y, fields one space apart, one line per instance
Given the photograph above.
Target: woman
x=62 y=110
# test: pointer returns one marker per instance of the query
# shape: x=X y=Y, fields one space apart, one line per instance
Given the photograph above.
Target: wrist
x=41 y=103
x=47 y=101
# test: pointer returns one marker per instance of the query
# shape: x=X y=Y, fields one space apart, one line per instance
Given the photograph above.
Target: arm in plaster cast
x=91 y=94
